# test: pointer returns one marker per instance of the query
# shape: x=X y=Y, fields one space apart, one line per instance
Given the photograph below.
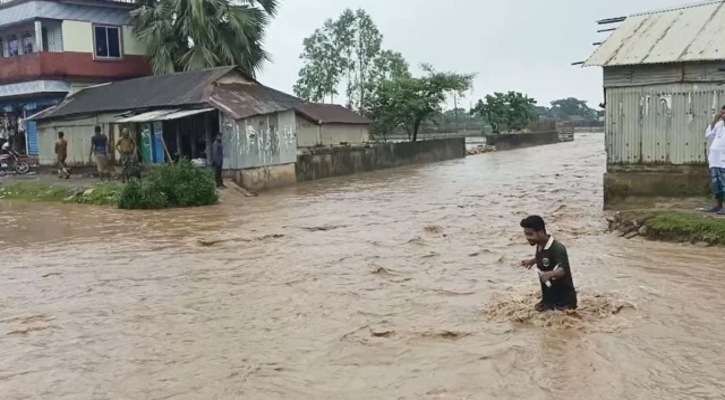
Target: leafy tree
x=346 y=50
x=569 y=107
x=504 y=111
x=320 y=75
x=182 y=35
x=407 y=102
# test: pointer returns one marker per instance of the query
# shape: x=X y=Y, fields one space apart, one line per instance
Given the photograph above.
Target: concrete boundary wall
x=510 y=141
x=625 y=184
x=329 y=162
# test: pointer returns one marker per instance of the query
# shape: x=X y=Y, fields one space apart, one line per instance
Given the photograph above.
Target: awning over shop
x=162 y=115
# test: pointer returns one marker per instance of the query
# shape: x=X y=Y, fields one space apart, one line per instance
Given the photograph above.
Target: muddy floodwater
x=400 y=284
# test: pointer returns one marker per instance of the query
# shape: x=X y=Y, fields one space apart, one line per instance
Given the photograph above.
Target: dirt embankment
x=667 y=225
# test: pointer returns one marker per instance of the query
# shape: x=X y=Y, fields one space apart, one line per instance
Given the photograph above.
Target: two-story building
x=50 y=48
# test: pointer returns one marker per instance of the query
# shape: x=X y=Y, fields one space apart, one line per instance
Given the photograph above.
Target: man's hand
x=546 y=276
x=528 y=263
x=718 y=117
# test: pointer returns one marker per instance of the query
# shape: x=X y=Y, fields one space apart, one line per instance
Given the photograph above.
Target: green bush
x=181 y=185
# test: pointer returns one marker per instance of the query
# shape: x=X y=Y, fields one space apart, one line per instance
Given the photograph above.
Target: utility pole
x=455 y=112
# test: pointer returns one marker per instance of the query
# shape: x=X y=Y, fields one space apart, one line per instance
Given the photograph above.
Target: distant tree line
x=345 y=60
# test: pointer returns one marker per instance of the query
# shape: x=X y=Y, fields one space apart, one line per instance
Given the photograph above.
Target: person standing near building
x=61 y=152
x=716 y=159
x=217 y=160
x=99 y=150
x=552 y=260
x=126 y=147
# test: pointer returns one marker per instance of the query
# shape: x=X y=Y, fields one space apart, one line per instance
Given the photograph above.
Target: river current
x=398 y=284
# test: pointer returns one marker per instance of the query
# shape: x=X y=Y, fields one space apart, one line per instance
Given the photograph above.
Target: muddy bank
x=668 y=225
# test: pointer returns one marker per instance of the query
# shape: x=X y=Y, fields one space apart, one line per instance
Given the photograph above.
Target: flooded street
x=399 y=284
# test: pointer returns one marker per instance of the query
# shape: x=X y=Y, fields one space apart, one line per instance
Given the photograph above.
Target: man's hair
x=534 y=222
x=98 y=129
x=723 y=108
x=61 y=134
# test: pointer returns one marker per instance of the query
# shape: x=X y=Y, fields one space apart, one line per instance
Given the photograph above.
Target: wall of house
x=328 y=162
x=259 y=141
x=335 y=134
x=78 y=37
x=659 y=74
x=660 y=124
x=78 y=133
x=310 y=134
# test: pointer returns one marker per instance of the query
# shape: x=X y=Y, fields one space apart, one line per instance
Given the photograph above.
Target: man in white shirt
x=715 y=134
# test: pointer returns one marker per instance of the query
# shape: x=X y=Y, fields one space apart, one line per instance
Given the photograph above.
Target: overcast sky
x=522 y=45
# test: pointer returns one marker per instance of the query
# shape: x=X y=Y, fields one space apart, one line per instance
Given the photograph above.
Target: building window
x=108 y=41
x=13 y=46
x=27 y=43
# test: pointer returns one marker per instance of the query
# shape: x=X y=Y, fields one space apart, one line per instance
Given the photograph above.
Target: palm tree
x=183 y=35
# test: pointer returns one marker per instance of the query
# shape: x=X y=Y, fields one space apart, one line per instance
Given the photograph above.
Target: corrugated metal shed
x=686 y=34
x=663 y=124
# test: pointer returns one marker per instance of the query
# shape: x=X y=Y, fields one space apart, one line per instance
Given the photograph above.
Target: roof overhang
x=680 y=35
x=162 y=115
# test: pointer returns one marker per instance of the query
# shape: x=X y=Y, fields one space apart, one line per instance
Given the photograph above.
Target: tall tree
x=320 y=75
x=182 y=35
x=408 y=102
x=504 y=111
x=345 y=50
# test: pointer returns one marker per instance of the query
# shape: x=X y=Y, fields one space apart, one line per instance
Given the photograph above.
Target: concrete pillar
x=38 y=36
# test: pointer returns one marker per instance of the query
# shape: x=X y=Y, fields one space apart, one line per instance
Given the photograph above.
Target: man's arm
x=56 y=147
x=560 y=260
x=710 y=132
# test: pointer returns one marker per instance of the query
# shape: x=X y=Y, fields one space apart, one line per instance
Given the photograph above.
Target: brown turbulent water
x=393 y=285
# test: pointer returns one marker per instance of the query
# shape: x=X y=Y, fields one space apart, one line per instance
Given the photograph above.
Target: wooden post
x=208 y=136
x=192 y=136
x=177 y=128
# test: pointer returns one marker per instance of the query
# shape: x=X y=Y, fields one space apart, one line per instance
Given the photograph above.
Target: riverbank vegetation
x=182 y=185
x=667 y=225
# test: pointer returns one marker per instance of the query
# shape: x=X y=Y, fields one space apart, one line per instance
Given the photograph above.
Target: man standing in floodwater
x=552 y=260
x=217 y=160
x=716 y=159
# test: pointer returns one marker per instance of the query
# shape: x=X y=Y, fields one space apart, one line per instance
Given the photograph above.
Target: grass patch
x=34 y=192
x=678 y=226
x=98 y=194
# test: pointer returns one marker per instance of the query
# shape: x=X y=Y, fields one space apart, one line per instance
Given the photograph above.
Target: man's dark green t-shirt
x=561 y=294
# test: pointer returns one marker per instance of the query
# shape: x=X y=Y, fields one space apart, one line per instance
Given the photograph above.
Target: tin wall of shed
x=660 y=124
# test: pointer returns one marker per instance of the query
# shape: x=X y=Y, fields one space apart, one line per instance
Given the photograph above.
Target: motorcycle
x=11 y=161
